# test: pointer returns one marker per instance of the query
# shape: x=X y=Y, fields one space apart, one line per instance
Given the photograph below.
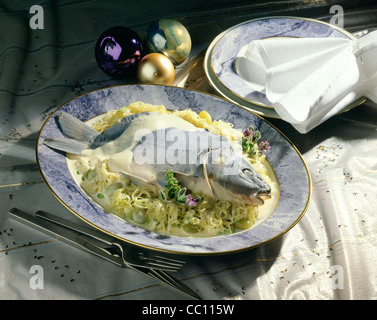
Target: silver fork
x=75 y=238
x=130 y=255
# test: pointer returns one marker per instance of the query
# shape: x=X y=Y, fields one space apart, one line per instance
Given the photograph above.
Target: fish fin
x=181 y=177
x=113 y=132
x=190 y=180
x=135 y=179
x=205 y=175
x=75 y=129
x=161 y=178
x=180 y=174
x=184 y=179
x=66 y=145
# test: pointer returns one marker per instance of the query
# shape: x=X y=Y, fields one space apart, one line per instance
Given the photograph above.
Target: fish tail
x=75 y=129
x=65 y=144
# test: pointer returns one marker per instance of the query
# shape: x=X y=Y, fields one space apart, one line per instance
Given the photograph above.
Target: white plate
x=221 y=55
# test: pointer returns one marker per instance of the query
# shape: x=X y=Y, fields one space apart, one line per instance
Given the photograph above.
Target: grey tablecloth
x=329 y=254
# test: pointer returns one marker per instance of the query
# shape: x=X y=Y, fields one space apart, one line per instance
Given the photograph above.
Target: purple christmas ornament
x=118 y=52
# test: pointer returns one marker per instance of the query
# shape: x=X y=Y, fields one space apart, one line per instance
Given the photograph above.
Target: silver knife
x=153 y=260
x=73 y=238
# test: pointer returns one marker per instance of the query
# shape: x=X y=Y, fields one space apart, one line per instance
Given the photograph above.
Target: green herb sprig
x=250 y=143
x=174 y=192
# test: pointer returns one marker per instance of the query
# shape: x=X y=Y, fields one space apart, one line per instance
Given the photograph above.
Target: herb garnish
x=250 y=143
x=174 y=192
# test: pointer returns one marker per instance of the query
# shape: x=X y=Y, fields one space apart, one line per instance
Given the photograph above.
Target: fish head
x=236 y=179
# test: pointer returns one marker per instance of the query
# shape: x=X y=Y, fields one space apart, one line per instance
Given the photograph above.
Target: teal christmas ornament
x=171 y=38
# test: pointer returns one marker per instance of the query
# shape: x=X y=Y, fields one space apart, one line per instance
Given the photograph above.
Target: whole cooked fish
x=143 y=146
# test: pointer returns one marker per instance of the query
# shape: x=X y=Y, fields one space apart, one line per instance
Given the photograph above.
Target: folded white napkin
x=308 y=80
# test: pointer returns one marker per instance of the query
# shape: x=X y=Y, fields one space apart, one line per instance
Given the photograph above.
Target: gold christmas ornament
x=155 y=68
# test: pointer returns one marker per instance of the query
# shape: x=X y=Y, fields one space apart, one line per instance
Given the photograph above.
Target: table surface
x=329 y=254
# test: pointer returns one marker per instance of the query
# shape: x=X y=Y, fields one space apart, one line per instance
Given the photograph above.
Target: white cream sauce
x=118 y=152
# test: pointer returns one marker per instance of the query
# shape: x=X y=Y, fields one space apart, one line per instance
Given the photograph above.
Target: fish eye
x=247 y=171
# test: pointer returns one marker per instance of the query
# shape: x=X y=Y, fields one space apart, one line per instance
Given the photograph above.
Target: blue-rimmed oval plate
x=289 y=167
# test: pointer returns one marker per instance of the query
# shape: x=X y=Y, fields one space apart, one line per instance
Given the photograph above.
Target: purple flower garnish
x=248 y=133
x=191 y=201
x=264 y=146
